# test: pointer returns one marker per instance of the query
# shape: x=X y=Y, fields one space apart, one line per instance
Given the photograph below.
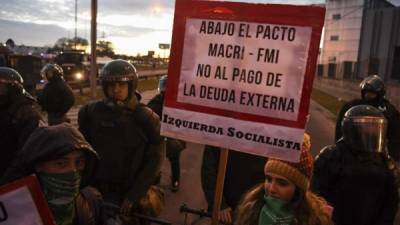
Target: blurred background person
x=373 y=92
x=57 y=97
x=19 y=116
x=173 y=146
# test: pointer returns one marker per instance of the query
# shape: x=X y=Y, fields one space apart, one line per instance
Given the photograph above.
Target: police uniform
x=57 y=97
x=375 y=84
x=126 y=135
x=354 y=175
x=18 y=116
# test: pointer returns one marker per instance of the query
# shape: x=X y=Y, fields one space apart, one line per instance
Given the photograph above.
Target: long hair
x=308 y=208
x=250 y=206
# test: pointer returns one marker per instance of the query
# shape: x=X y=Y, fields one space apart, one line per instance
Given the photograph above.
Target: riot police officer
x=57 y=97
x=126 y=135
x=18 y=115
x=173 y=146
x=373 y=93
x=354 y=175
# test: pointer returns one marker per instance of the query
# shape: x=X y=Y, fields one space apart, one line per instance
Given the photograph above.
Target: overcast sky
x=132 y=25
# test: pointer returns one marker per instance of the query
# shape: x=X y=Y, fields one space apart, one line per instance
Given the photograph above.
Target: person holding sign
x=355 y=174
x=243 y=171
x=285 y=197
x=173 y=146
x=63 y=162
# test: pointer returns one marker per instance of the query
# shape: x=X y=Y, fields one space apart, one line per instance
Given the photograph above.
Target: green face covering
x=275 y=212
x=60 y=191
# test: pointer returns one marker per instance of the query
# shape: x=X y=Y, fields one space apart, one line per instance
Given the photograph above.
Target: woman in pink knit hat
x=285 y=198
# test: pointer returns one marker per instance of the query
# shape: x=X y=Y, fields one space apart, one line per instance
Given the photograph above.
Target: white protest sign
x=241 y=74
x=239 y=66
x=22 y=204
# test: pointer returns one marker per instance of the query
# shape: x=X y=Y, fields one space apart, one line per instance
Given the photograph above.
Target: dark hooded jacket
x=243 y=171
x=48 y=143
x=17 y=121
x=57 y=97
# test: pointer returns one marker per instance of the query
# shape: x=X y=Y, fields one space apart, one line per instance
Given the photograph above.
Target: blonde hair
x=309 y=209
x=250 y=206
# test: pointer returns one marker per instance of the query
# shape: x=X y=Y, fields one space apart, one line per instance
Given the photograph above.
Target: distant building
x=348 y=29
x=29 y=50
x=26 y=50
x=380 y=44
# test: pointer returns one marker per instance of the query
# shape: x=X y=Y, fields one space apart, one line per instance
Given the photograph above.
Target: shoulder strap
x=150 y=122
x=89 y=207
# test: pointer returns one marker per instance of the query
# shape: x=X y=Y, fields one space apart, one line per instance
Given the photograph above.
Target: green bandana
x=60 y=191
x=275 y=212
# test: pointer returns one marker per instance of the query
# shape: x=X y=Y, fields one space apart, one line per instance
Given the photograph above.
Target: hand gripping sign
x=22 y=203
x=240 y=75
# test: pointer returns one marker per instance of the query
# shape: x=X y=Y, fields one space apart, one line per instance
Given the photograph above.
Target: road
x=320 y=127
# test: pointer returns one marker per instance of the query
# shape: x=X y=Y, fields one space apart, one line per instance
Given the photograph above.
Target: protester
x=126 y=135
x=173 y=146
x=63 y=162
x=57 y=97
x=373 y=93
x=354 y=174
x=285 y=198
x=243 y=171
x=18 y=116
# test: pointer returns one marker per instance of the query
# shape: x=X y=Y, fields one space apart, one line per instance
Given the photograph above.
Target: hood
x=51 y=142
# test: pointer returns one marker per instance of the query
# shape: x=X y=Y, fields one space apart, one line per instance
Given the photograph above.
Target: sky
x=133 y=26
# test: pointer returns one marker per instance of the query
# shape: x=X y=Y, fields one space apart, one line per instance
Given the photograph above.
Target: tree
x=105 y=48
x=71 y=43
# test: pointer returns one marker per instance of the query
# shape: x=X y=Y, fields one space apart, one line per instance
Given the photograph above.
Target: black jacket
x=156 y=104
x=243 y=171
x=57 y=97
x=128 y=142
x=53 y=142
x=173 y=146
x=393 y=119
x=359 y=185
x=17 y=122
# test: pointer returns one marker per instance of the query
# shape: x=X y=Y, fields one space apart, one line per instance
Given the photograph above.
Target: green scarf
x=275 y=212
x=60 y=191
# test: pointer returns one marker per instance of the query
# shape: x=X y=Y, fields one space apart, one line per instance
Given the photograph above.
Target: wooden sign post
x=223 y=159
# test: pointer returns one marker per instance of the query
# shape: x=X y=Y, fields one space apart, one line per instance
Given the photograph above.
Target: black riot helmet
x=11 y=85
x=119 y=71
x=162 y=84
x=364 y=128
x=11 y=78
x=373 y=84
x=52 y=72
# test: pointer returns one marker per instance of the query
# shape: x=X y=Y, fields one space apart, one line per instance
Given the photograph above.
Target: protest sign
x=240 y=75
x=22 y=203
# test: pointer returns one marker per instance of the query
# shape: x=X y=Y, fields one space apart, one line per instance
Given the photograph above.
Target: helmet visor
x=365 y=133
